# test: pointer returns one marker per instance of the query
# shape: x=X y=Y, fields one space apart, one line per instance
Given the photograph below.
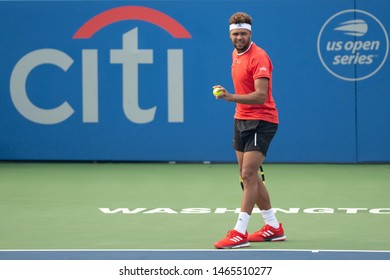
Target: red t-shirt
x=246 y=68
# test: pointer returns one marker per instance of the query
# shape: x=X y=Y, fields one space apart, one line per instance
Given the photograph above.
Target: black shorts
x=253 y=135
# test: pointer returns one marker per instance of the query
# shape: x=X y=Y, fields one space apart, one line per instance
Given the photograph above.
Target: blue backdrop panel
x=124 y=80
x=317 y=111
x=373 y=94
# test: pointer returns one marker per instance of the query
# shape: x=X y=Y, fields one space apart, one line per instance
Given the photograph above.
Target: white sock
x=242 y=222
x=270 y=218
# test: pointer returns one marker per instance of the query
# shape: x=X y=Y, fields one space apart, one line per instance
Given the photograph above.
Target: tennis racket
x=261 y=174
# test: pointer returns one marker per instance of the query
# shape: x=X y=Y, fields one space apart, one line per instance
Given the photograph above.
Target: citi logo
x=129 y=57
x=353 y=45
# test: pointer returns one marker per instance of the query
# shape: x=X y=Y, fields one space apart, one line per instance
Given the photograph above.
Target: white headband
x=240 y=25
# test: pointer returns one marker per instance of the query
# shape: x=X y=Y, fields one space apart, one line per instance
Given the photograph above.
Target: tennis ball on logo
x=217 y=91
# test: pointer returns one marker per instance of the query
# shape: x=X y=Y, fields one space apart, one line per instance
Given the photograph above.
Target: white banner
x=193 y=269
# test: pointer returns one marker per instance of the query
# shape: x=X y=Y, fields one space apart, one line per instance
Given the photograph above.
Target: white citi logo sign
x=353 y=45
x=130 y=57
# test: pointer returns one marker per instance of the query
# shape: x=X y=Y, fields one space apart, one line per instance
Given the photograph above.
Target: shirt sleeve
x=262 y=67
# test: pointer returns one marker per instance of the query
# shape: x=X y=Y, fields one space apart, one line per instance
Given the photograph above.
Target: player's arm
x=256 y=97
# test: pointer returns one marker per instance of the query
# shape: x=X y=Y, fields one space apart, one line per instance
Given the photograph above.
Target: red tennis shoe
x=233 y=240
x=268 y=233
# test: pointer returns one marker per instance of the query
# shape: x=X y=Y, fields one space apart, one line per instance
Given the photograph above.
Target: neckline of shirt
x=246 y=50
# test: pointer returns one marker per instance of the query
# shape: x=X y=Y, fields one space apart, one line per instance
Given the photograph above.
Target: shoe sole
x=279 y=238
x=247 y=244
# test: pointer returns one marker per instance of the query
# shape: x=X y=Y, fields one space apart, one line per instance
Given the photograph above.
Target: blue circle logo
x=353 y=45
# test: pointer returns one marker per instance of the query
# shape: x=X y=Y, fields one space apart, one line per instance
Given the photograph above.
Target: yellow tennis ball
x=217 y=91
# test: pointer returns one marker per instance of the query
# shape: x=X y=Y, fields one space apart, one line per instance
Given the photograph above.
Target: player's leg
x=249 y=163
x=249 y=174
x=235 y=238
x=263 y=199
x=273 y=230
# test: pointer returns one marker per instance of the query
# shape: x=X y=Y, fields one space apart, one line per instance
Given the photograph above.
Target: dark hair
x=240 y=17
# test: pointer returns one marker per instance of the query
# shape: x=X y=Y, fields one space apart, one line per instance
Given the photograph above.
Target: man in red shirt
x=255 y=124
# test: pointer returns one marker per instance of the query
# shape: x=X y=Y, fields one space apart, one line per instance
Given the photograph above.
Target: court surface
x=156 y=210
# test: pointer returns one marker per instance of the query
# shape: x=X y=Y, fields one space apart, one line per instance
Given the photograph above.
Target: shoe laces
x=230 y=233
x=265 y=228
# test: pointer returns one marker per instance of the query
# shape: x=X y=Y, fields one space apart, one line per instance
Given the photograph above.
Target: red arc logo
x=131 y=13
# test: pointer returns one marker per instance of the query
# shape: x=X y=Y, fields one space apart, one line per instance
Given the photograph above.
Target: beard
x=242 y=45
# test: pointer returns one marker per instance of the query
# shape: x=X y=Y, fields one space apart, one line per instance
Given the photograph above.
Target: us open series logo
x=353 y=45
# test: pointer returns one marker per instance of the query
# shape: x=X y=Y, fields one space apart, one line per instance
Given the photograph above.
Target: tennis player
x=255 y=124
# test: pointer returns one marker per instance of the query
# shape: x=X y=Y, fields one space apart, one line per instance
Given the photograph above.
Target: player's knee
x=248 y=176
